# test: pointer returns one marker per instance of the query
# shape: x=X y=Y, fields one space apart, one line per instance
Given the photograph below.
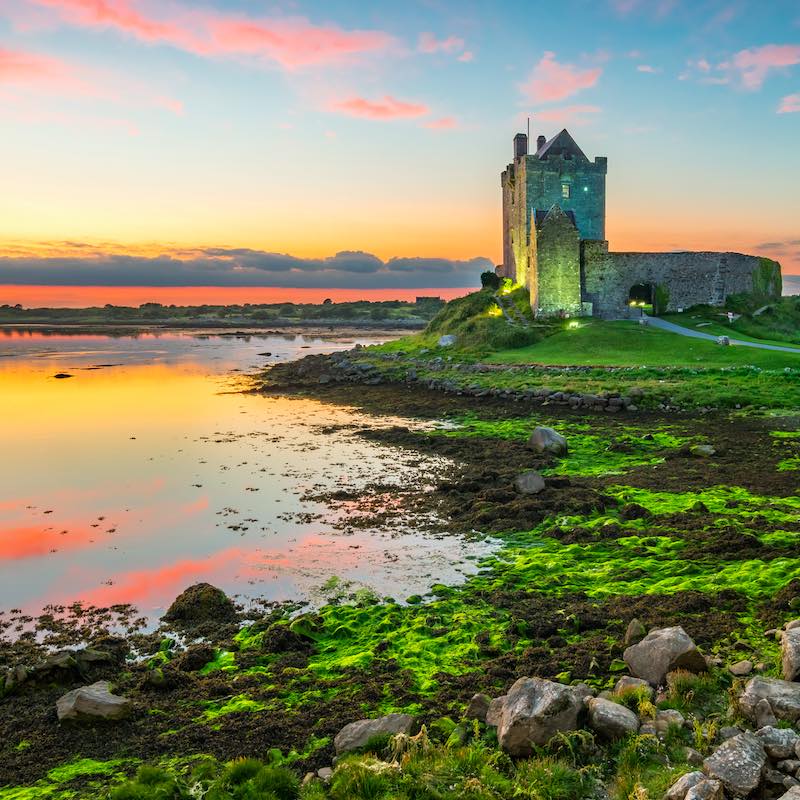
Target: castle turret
x=520 y=145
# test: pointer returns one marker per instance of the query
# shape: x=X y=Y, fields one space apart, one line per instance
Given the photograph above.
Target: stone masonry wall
x=555 y=280
x=690 y=278
x=587 y=182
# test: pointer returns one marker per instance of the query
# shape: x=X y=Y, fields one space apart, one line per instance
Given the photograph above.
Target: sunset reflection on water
x=126 y=483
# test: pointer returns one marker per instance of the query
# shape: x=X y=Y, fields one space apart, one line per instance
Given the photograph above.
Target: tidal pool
x=146 y=470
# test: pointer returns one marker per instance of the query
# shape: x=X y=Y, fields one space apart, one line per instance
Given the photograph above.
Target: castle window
x=565 y=190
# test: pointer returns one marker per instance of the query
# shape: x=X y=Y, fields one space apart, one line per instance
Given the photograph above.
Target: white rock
x=678 y=789
x=92 y=702
x=790 y=653
x=546 y=440
x=660 y=652
x=611 y=720
x=357 y=734
x=783 y=699
x=535 y=710
x=530 y=482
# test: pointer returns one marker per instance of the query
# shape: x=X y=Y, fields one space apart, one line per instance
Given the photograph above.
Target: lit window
x=565 y=190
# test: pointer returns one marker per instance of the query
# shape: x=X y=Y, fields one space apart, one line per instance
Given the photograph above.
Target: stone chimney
x=520 y=145
x=541 y=141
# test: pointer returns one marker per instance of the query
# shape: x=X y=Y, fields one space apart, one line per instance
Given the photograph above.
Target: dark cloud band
x=218 y=266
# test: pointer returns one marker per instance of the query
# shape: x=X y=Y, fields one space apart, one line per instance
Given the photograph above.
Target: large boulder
x=534 y=710
x=779 y=743
x=737 y=764
x=546 y=440
x=200 y=603
x=790 y=653
x=783 y=697
x=357 y=734
x=611 y=720
x=661 y=651
x=92 y=702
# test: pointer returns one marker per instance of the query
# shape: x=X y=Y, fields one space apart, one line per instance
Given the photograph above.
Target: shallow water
x=146 y=471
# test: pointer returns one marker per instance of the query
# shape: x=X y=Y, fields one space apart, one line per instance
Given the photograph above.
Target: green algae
x=231 y=705
x=52 y=787
x=223 y=660
x=589 y=454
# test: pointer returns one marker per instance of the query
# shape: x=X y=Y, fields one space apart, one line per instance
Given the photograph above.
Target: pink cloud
x=551 y=81
x=29 y=71
x=442 y=124
x=790 y=104
x=467 y=56
x=754 y=65
x=289 y=42
x=386 y=108
x=428 y=43
x=568 y=115
x=647 y=68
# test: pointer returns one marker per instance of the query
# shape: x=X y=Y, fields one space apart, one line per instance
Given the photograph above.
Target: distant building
x=554 y=242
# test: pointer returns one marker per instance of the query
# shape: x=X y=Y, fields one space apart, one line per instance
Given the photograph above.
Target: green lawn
x=597 y=343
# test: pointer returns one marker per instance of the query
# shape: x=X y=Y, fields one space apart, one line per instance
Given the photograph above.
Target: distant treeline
x=361 y=312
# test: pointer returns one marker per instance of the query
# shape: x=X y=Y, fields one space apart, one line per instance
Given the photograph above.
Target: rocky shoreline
x=595 y=562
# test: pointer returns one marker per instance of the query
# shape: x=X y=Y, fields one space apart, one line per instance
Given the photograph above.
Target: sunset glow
x=172 y=132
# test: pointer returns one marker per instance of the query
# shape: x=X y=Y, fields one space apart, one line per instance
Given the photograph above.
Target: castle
x=554 y=242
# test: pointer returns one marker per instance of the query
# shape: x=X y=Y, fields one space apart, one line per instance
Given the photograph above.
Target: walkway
x=656 y=322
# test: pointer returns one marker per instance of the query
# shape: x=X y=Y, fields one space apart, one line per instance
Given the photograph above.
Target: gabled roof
x=554 y=212
x=561 y=144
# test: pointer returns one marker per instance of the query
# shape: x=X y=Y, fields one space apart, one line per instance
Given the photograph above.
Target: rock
x=583 y=691
x=530 y=482
x=495 y=711
x=702 y=450
x=728 y=732
x=693 y=757
x=535 y=710
x=660 y=652
x=788 y=765
x=546 y=440
x=778 y=742
x=792 y=624
x=790 y=653
x=325 y=773
x=707 y=789
x=448 y=340
x=765 y=716
x=783 y=699
x=741 y=668
x=791 y=783
x=635 y=631
x=201 y=602
x=628 y=683
x=92 y=702
x=678 y=789
x=737 y=763
x=667 y=717
x=611 y=720
x=478 y=707
x=357 y=734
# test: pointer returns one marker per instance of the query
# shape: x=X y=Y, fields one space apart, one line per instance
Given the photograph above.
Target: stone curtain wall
x=689 y=278
x=556 y=274
x=587 y=182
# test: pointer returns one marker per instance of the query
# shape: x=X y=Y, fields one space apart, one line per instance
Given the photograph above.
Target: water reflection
x=126 y=483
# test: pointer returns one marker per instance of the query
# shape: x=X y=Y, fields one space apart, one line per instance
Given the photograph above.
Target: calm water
x=146 y=471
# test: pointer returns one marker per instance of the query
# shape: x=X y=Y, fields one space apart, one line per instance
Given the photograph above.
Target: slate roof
x=561 y=144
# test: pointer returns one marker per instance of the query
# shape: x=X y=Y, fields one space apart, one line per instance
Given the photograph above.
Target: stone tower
x=558 y=175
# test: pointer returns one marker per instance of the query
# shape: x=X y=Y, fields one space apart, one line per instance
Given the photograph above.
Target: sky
x=360 y=144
